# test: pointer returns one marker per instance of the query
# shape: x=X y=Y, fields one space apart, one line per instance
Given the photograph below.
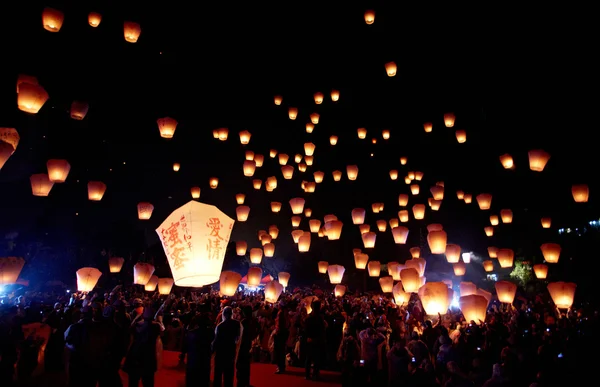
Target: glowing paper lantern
x=167 y=127
x=387 y=284
x=418 y=264
x=507 y=161
x=195 y=191
x=272 y=291
x=335 y=95
x=194 y=238
x=40 y=184
x=580 y=192
x=52 y=19
x=151 y=284
x=269 y=249
x=256 y=255
x=94 y=19
x=369 y=17
x=242 y=213
x=241 y=247
x=336 y=273
x=229 y=282
x=323 y=265
x=79 y=110
x=449 y=120
x=284 y=278
x=473 y=307
x=249 y=167
x=333 y=229
x=540 y=271
x=492 y=252
x=374 y=267
x=546 y=222
x=144 y=210
x=142 y=273
x=278 y=99
x=115 y=264
x=484 y=201
x=459 y=268
x=551 y=252
x=297 y=205
x=434 y=298
x=254 y=276
x=368 y=239
x=538 y=160
x=31 y=97
x=10 y=268
x=293 y=113
x=339 y=290
x=506 y=291
x=488 y=266
x=418 y=211
x=165 y=285
x=562 y=293
x=58 y=170
x=213 y=183
x=390 y=69
x=410 y=280
x=352 y=172
x=381 y=225
x=506 y=215
x=360 y=260
x=467 y=288
x=87 y=278
x=131 y=31
x=437 y=241
x=400 y=296
x=505 y=258
x=96 y=190
x=304 y=242
x=9 y=139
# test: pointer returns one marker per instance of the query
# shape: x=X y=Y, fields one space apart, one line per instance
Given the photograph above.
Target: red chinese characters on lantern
x=174 y=245
x=187 y=235
x=213 y=246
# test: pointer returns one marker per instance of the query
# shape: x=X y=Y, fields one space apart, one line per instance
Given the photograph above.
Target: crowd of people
x=366 y=337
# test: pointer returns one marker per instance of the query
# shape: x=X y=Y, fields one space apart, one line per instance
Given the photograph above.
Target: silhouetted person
x=8 y=346
x=227 y=334
x=314 y=330
x=197 y=346
x=250 y=330
x=282 y=332
x=118 y=316
x=140 y=362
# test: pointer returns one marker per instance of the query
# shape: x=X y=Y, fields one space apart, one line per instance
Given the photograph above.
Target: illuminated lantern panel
x=94 y=19
x=131 y=31
x=336 y=273
x=144 y=210
x=449 y=120
x=473 y=307
x=551 y=252
x=540 y=271
x=31 y=97
x=507 y=161
x=410 y=280
x=229 y=282
x=10 y=268
x=339 y=290
x=428 y=126
x=390 y=69
x=40 y=184
x=52 y=19
x=335 y=95
x=272 y=291
x=142 y=272
x=435 y=298
x=96 y=190
x=115 y=264
x=580 y=192
x=58 y=170
x=506 y=291
x=195 y=192
x=87 y=278
x=165 y=285
x=322 y=266
x=562 y=293
x=283 y=278
x=278 y=99
x=152 y=284
x=437 y=241
x=546 y=222
x=369 y=17
x=505 y=258
x=360 y=261
x=167 y=127
x=538 y=160
x=374 y=268
x=387 y=284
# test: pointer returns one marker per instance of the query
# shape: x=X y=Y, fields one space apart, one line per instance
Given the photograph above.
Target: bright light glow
x=466 y=257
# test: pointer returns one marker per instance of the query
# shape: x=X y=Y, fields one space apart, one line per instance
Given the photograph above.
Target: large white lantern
x=195 y=238
x=87 y=278
x=272 y=291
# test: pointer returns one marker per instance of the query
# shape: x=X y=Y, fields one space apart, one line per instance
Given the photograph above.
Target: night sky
x=515 y=83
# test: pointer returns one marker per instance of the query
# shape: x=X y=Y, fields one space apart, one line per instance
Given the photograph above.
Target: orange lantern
x=540 y=271
x=319 y=176
x=87 y=278
x=142 y=272
x=167 y=127
x=437 y=241
x=314 y=118
x=79 y=110
x=551 y=252
x=213 y=182
x=115 y=264
x=418 y=211
x=195 y=192
x=283 y=278
x=10 y=268
x=484 y=201
x=297 y=205
x=52 y=19
x=415 y=252
x=278 y=99
x=403 y=160
x=323 y=265
x=468 y=198
x=245 y=137
x=473 y=308
x=506 y=215
x=40 y=184
x=360 y=261
x=460 y=195
x=352 y=172
x=249 y=167
x=374 y=268
x=562 y=293
x=505 y=258
x=144 y=210
x=339 y=290
x=400 y=296
x=369 y=17
x=273 y=232
x=362 y=133
x=538 y=160
x=335 y=95
x=394 y=222
x=269 y=249
x=31 y=97
x=507 y=161
x=296 y=221
x=467 y=288
x=393 y=174
x=492 y=252
x=452 y=253
x=488 y=266
x=272 y=291
x=151 y=284
x=461 y=136
x=459 y=269
x=449 y=120
x=368 y=239
x=489 y=231
x=256 y=255
x=310 y=127
x=506 y=291
x=254 y=276
x=315 y=225
x=293 y=113
x=176 y=167
x=546 y=222
x=241 y=247
x=333 y=229
x=94 y=19
x=400 y=235
x=494 y=220
x=415 y=189
x=275 y=206
x=336 y=273
x=580 y=192
x=58 y=170
x=229 y=282
x=428 y=126
x=390 y=69
x=242 y=213
x=410 y=280
x=318 y=98
x=304 y=242
x=381 y=225
x=387 y=284
x=358 y=215
x=435 y=298
x=131 y=31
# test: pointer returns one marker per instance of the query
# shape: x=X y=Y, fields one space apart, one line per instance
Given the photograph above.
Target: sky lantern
x=254 y=276
x=293 y=113
x=297 y=205
x=381 y=225
x=144 y=210
x=195 y=192
x=410 y=280
x=131 y=31
x=449 y=120
x=437 y=191
x=459 y=269
x=318 y=98
x=415 y=252
x=10 y=268
x=239 y=198
x=278 y=99
x=52 y=19
x=336 y=273
x=335 y=95
x=418 y=211
x=358 y=215
x=580 y=192
x=538 y=160
x=152 y=284
x=506 y=216
x=40 y=184
x=369 y=16
x=10 y=137
x=315 y=225
x=385 y=134
x=322 y=266
x=551 y=252
x=400 y=296
x=296 y=220
x=309 y=148
x=461 y=136
x=364 y=228
x=223 y=134
x=540 y=271
x=468 y=198
x=417 y=263
x=309 y=160
x=319 y=176
x=352 y=172
x=460 y=195
x=176 y=167
x=273 y=231
x=400 y=235
x=165 y=285
x=307 y=212
x=273 y=290
x=507 y=161
x=31 y=97
x=562 y=293
x=229 y=282
x=434 y=204
x=94 y=19
x=418 y=175
x=242 y=213
x=484 y=200
x=374 y=268
x=310 y=127
x=275 y=206
x=298 y=158
x=241 y=247
x=452 y=253
x=24 y=78
x=505 y=258
x=337 y=175
x=368 y=239
x=196 y=255
x=360 y=261
x=362 y=133
x=265 y=238
x=96 y=190
x=271 y=183
x=167 y=127
x=394 y=269
x=415 y=189
x=492 y=252
x=213 y=182
x=58 y=170
x=428 y=127
x=394 y=174
x=390 y=69
x=269 y=250
x=115 y=264
x=79 y=110
x=333 y=229
x=437 y=241
x=403 y=160
x=488 y=266
x=435 y=298
x=473 y=308
x=494 y=220
x=339 y=290
x=249 y=167
x=284 y=278
x=142 y=272
x=467 y=288
x=546 y=222
x=387 y=284
x=304 y=242
x=287 y=171
x=402 y=200
x=87 y=278
x=245 y=137
x=403 y=216
x=283 y=159
x=506 y=291
x=296 y=234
